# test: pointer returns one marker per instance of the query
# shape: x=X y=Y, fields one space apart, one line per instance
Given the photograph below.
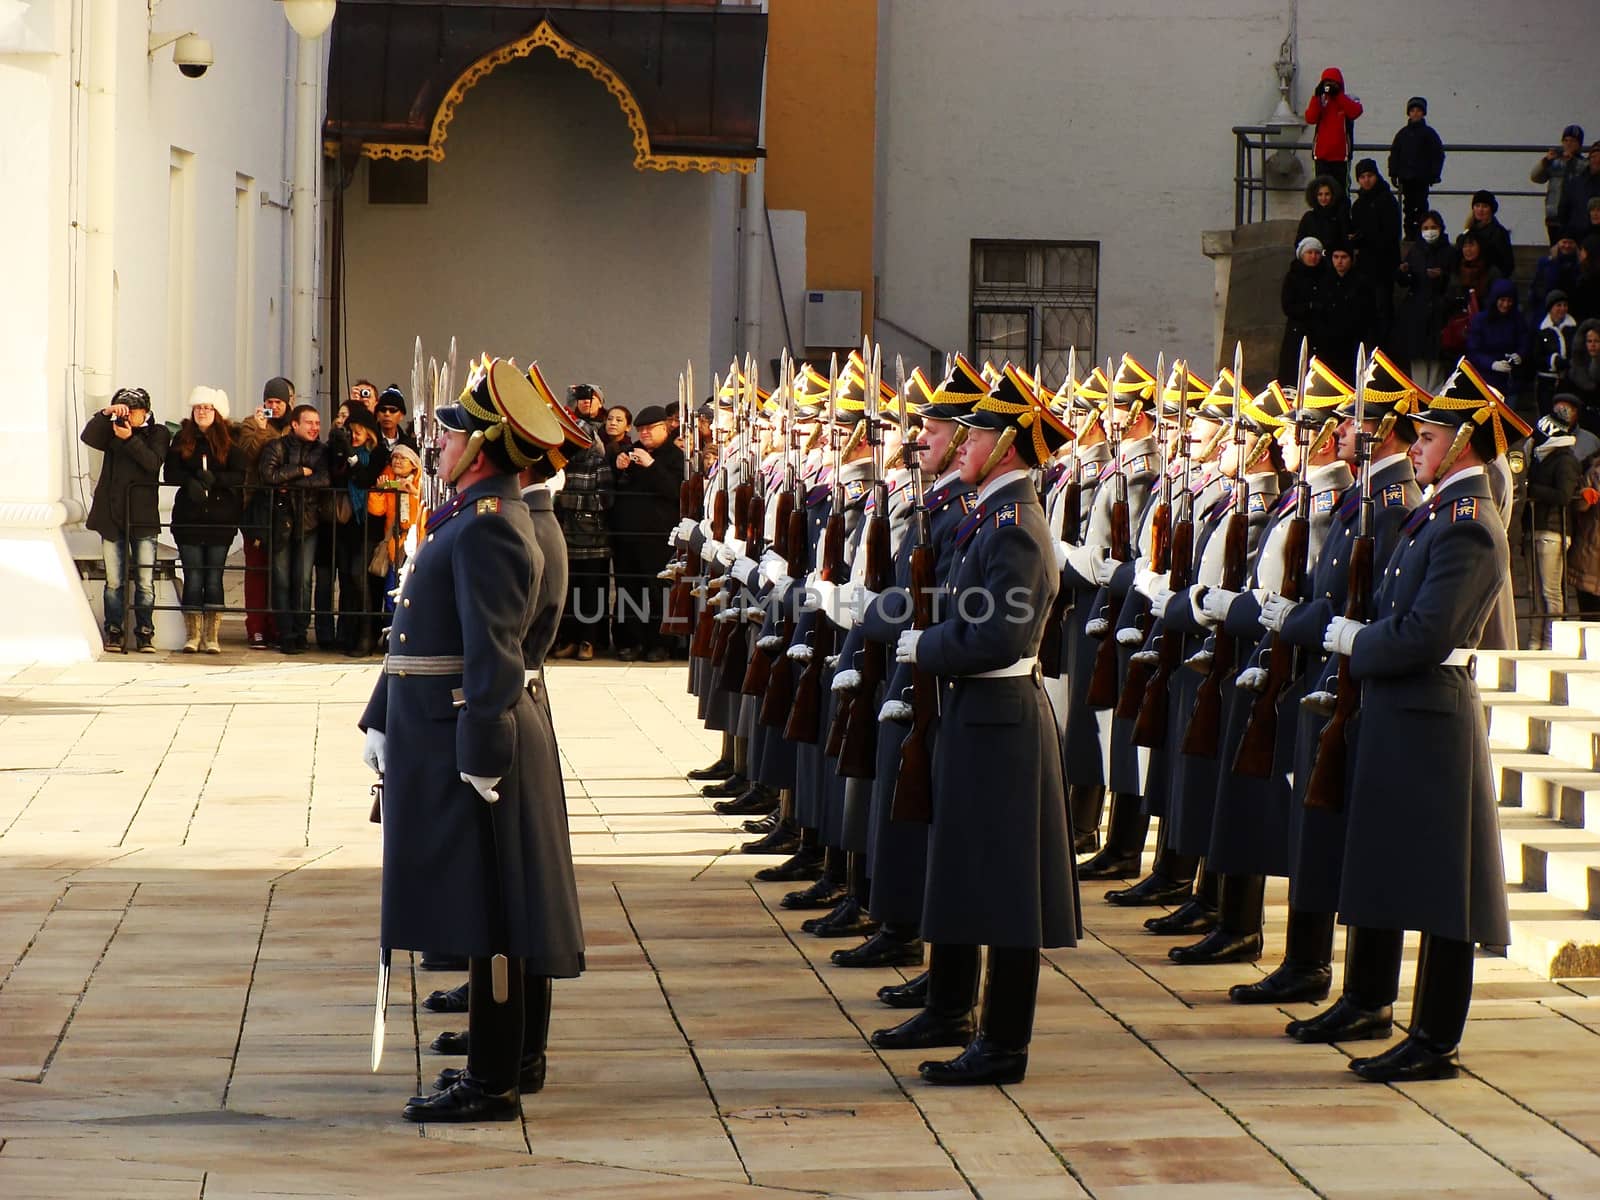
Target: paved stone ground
x=188 y=889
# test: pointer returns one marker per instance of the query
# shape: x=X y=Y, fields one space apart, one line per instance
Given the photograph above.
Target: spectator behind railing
x=1301 y=297
x=1583 y=373
x=266 y=424
x=293 y=466
x=1334 y=114
x=1551 y=349
x=1494 y=237
x=649 y=476
x=1470 y=278
x=1582 y=186
x=582 y=507
x=391 y=414
x=393 y=504
x=1496 y=339
x=208 y=467
x=1424 y=276
x=1344 y=316
x=1375 y=238
x=1325 y=218
x=1584 y=295
x=1553 y=170
x=125 y=512
x=1555 y=272
x=1553 y=478
x=1416 y=163
x=618 y=421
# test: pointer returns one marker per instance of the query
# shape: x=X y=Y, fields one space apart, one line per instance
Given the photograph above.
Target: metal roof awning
x=687 y=75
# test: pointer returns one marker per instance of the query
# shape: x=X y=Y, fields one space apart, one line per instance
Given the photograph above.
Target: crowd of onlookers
x=323 y=519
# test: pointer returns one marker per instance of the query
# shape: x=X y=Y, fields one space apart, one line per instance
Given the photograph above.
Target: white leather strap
x=1023 y=666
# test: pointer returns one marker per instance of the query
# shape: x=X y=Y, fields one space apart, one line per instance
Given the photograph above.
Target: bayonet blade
x=381 y=1013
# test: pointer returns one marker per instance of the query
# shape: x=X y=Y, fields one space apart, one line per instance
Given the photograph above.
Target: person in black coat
x=125 y=511
x=1344 y=316
x=648 y=477
x=208 y=467
x=1301 y=297
x=1494 y=237
x=1325 y=217
x=1416 y=163
x=357 y=456
x=1424 y=276
x=1375 y=238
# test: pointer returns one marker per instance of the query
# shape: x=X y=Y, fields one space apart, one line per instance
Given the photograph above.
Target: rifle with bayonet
x=685 y=567
x=845 y=701
x=1137 y=679
x=913 y=783
x=1150 y=723
x=747 y=527
x=705 y=626
x=759 y=670
x=1325 y=787
x=858 y=752
x=738 y=456
x=778 y=700
x=1102 y=691
x=805 y=717
x=1204 y=730
x=1258 y=743
x=1072 y=491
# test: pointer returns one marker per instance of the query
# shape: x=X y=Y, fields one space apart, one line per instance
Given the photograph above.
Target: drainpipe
x=754 y=249
x=303 y=216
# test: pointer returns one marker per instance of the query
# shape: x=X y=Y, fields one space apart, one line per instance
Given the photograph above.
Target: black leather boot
x=806 y=862
x=761 y=826
x=1124 y=841
x=450 y=1042
x=1365 y=1009
x=487 y=1089
x=1439 y=1016
x=535 y=1040
x=447 y=1000
x=913 y=993
x=720 y=769
x=1171 y=879
x=1085 y=803
x=1306 y=972
x=1237 y=937
x=952 y=995
x=467 y=1099
x=849 y=917
x=781 y=839
x=733 y=785
x=827 y=890
x=758 y=798
x=430 y=960
x=891 y=946
x=1198 y=914
x=999 y=1054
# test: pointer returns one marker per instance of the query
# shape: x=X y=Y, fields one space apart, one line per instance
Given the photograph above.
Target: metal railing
x=1254 y=146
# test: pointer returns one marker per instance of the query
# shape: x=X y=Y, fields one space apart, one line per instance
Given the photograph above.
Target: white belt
x=1023 y=666
x=1461 y=656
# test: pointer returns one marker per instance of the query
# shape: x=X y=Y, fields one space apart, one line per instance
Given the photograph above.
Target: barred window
x=1033 y=302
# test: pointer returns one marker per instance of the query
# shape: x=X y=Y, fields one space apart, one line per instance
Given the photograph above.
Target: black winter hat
x=650 y=414
x=360 y=416
x=1485 y=196
x=1554 y=297
x=1365 y=165
x=390 y=397
x=1418 y=102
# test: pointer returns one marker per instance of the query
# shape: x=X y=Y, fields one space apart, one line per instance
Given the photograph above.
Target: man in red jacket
x=1334 y=114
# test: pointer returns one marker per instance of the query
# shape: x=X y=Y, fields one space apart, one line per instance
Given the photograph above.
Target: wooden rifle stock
x=1103 y=681
x=722 y=633
x=1055 y=627
x=1258 y=743
x=1325 y=788
x=858 y=751
x=758 y=672
x=735 y=647
x=778 y=702
x=1205 y=723
x=805 y=718
x=913 y=785
x=1150 y=726
x=705 y=627
x=1137 y=681
x=679 y=603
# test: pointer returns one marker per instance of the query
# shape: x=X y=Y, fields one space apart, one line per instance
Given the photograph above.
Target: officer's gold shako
x=1018 y=408
x=509 y=416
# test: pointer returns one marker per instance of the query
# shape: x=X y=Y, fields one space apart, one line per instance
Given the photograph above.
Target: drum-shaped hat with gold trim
x=1019 y=409
x=1325 y=392
x=1387 y=390
x=1468 y=398
x=1188 y=392
x=960 y=389
x=1133 y=386
x=509 y=416
x=1218 y=402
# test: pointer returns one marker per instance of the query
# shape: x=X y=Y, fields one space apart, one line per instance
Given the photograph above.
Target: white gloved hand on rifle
x=1340 y=635
x=373 y=750
x=484 y=785
x=1215 y=603
x=905 y=650
x=1275 y=609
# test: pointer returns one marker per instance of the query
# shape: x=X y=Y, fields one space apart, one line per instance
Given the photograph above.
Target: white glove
x=905 y=649
x=1503 y=365
x=1216 y=602
x=1061 y=549
x=1086 y=560
x=484 y=785
x=1274 y=610
x=727 y=553
x=684 y=530
x=846 y=681
x=1340 y=635
x=373 y=750
x=1159 y=601
x=800 y=652
x=780 y=588
x=1144 y=581
x=711 y=551
x=773 y=568
x=824 y=596
x=847 y=604
x=1105 y=568
x=737 y=545
x=1514 y=359
x=744 y=570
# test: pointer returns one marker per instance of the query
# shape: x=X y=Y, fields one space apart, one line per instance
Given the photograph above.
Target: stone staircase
x=1544 y=738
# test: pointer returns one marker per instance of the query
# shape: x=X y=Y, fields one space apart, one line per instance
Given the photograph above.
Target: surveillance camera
x=193 y=55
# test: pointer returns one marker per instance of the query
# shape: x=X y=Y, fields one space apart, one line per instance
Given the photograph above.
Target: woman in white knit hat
x=208 y=467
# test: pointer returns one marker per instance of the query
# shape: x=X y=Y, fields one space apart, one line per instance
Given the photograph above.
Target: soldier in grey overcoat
x=477 y=860
x=1422 y=845
x=999 y=849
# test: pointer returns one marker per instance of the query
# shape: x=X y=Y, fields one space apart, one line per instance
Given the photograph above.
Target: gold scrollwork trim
x=546 y=36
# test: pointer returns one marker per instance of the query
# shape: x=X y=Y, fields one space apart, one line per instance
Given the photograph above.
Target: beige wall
x=541 y=240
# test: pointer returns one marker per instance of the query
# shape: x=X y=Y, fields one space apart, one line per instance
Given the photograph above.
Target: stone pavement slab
x=188 y=903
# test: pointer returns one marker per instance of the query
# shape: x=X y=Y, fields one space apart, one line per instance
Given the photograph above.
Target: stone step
x=1522 y=723
x=1578 y=639
x=1523 y=672
x=1543 y=856
x=1542 y=786
x=1551 y=939
x=1570 y=735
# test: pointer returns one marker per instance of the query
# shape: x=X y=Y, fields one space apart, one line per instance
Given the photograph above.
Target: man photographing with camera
x=648 y=474
x=583 y=506
x=1334 y=114
x=124 y=511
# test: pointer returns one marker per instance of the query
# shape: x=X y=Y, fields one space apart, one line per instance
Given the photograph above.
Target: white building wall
x=1082 y=120
x=541 y=241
